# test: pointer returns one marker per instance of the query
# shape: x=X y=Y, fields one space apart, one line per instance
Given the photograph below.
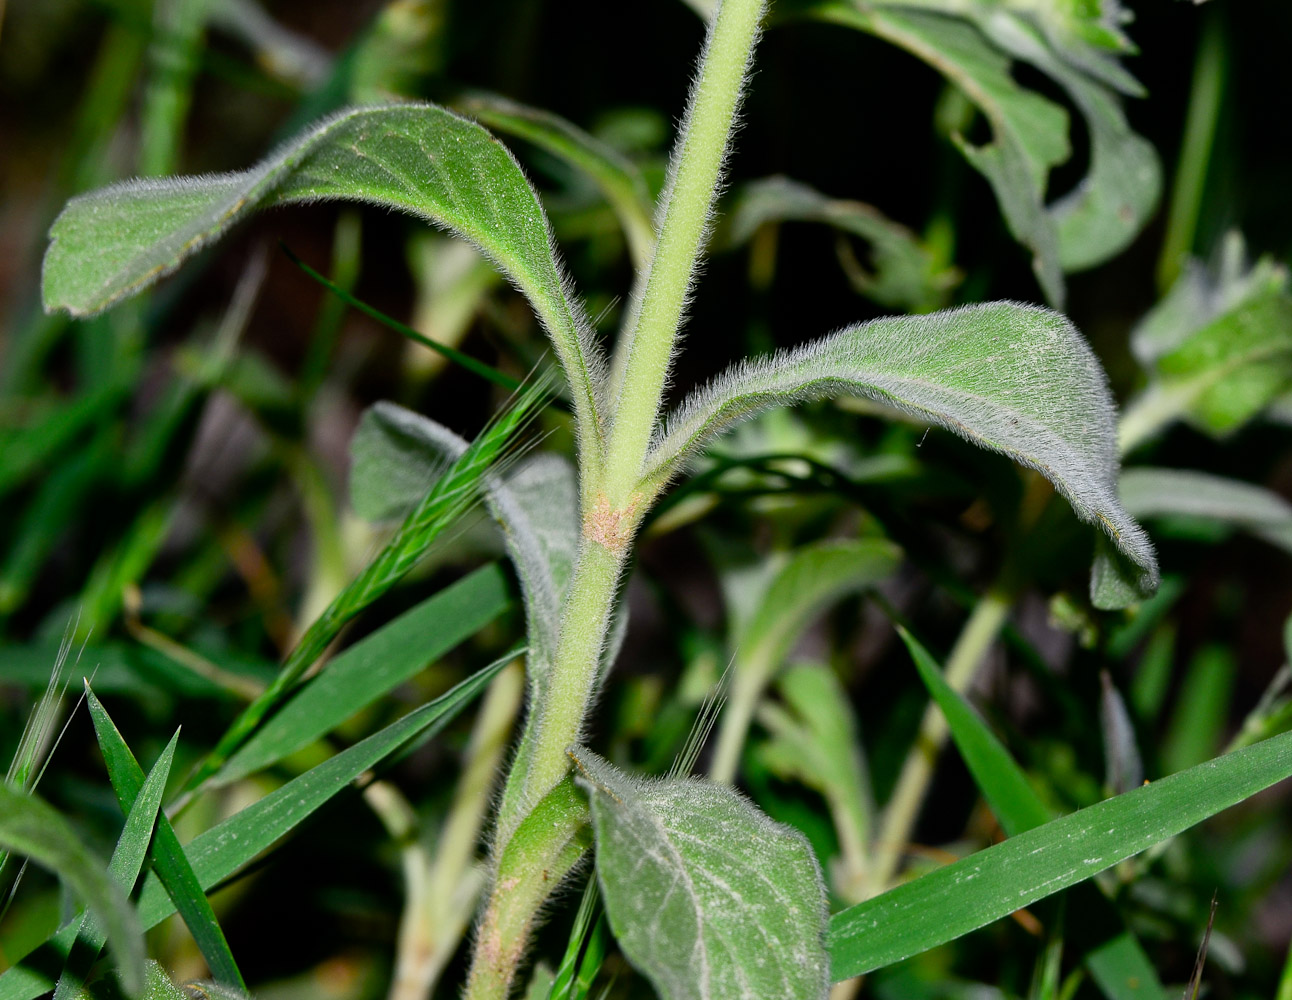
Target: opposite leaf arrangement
x=705 y=895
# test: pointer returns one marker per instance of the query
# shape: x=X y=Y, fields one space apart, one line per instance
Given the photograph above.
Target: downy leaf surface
x=397 y=454
x=708 y=898
x=1011 y=378
x=418 y=158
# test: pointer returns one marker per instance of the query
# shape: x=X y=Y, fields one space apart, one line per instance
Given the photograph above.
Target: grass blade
x=971 y=893
x=169 y=861
x=127 y=861
x=222 y=850
x=448 y=497
x=375 y=666
x=464 y=360
x=1117 y=961
x=998 y=777
x=31 y=827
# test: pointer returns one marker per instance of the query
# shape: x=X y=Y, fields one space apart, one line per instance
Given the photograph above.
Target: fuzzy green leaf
x=419 y=158
x=952 y=901
x=707 y=897
x=397 y=454
x=1011 y=378
x=30 y=827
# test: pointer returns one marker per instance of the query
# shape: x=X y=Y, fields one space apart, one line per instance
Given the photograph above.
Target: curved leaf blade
x=709 y=898
x=30 y=827
x=1011 y=378
x=973 y=892
x=618 y=179
x=418 y=158
x=906 y=274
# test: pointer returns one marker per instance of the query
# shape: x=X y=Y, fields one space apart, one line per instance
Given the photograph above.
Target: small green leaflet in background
x=1014 y=379
x=973 y=44
x=1149 y=492
x=170 y=864
x=952 y=901
x=618 y=179
x=374 y=666
x=707 y=897
x=1218 y=347
x=221 y=851
x=814 y=740
x=127 y=861
x=423 y=159
x=814 y=577
x=30 y=827
x=906 y=276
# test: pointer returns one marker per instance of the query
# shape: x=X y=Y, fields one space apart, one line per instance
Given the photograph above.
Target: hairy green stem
x=651 y=335
x=550 y=841
x=532 y=855
x=976 y=638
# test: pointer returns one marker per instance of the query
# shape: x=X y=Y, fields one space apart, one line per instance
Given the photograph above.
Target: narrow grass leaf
x=618 y=179
x=127 y=861
x=707 y=897
x=398 y=453
x=1011 y=378
x=997 y=776
x=452 y=354
x=448 y=497
x=1118 y=963
x=416 y=157
x=952 y=901
x=374 y=666
x=221 y=851
x=169 y=862
x=30 y=827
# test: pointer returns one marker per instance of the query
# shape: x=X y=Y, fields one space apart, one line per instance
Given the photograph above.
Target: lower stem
x=976 y=638
x=559 y=716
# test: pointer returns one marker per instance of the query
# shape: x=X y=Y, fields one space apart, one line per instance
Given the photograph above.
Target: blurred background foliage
x=174 y=473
